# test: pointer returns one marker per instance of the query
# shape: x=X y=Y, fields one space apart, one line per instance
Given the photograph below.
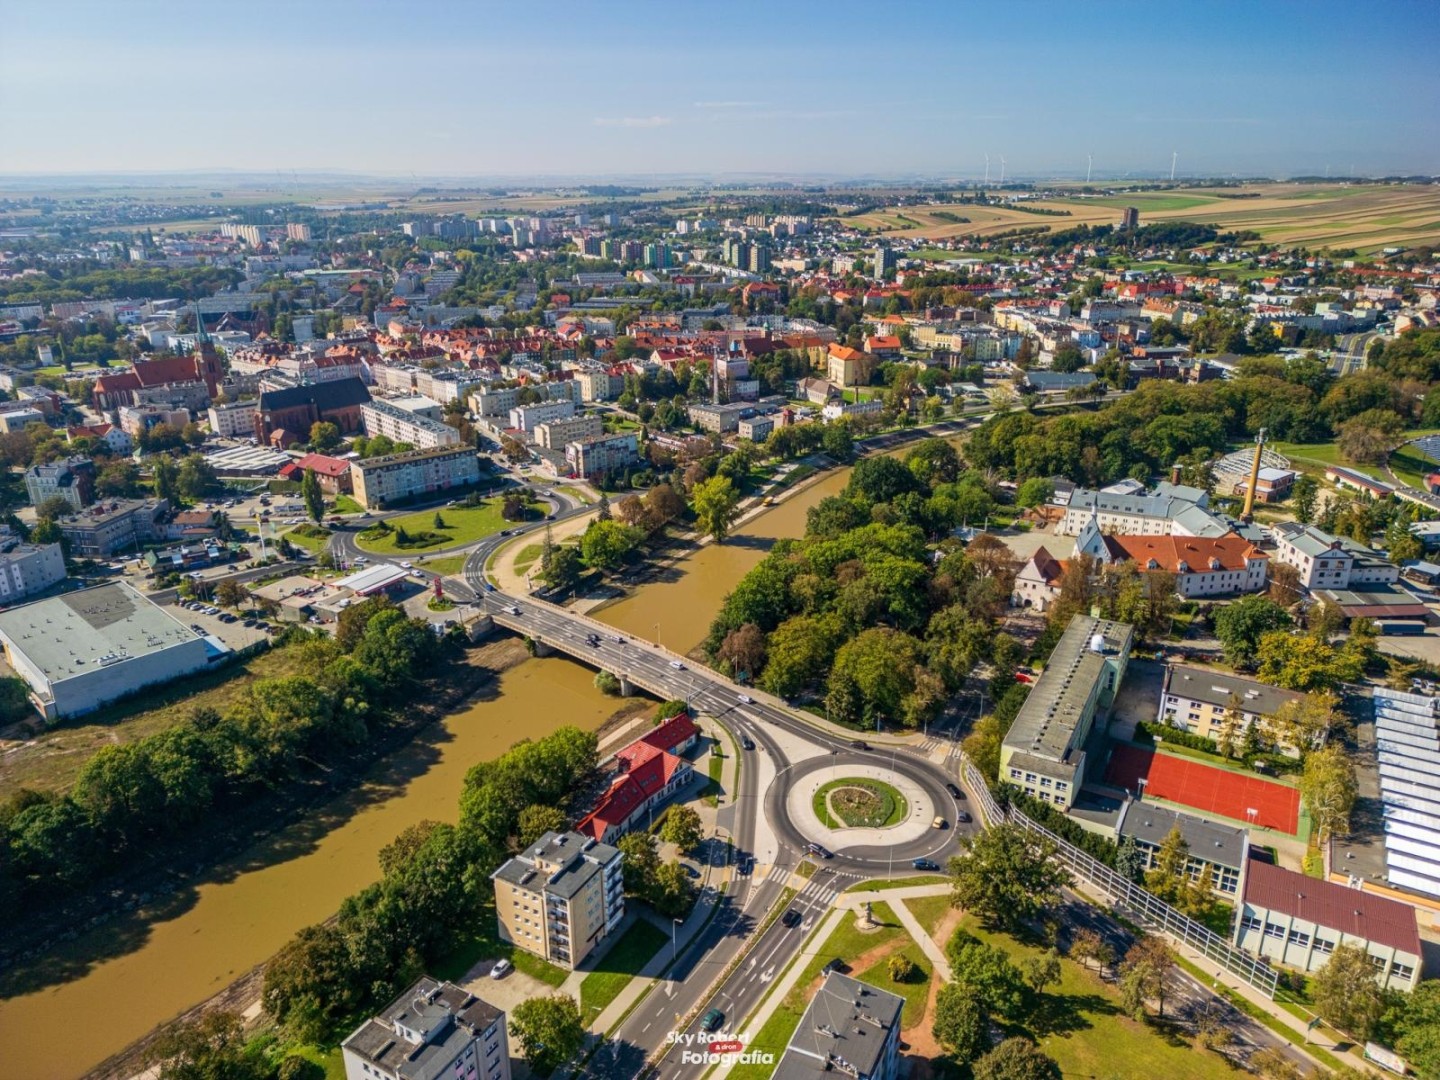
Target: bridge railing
x=1130 y=899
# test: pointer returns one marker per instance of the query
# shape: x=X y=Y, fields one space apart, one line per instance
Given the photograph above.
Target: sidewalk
x=852 y=902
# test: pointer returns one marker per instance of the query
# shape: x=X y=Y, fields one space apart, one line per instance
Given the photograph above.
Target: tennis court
x=1216 y=791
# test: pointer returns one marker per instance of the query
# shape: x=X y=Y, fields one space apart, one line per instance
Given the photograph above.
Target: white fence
x=1130 y=900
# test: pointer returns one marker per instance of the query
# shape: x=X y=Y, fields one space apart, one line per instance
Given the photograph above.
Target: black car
x=747 y=742
x=818 y=851
x=791 y=918
x=925 y=864
x=859 y=744
x=961 y=815
x=955 y=791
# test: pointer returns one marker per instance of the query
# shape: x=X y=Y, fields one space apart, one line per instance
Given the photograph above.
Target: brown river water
x=130 y=975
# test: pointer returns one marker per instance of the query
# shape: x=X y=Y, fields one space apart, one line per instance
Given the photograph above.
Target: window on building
x=1300 y=938
x=1402 y=971
x=1379 y=962
x=1274 y=931
x=1250 y=922
x=1324 y=946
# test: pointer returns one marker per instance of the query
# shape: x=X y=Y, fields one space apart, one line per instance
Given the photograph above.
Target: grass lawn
x=526 y=556
x=1310 y=457
x=897 y=883
x=1082 y=1027
x=51 y=761
x=621 y=964
x=710 y=793
x=849 y=802
x=483 y=944
x=1410 y=465
x=443 y=564
x=914 y=991
x=929 y=910
x=310 y=537
x=462 y=525
x=344 y=504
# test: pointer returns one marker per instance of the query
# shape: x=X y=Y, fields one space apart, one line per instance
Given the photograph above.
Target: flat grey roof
x=1052 y=712
x=847 y=1021
x=1218 y=687
x=78 y=632
x=1148 y=823
x=444 y=1016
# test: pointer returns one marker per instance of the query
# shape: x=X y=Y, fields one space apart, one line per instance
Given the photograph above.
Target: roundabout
x=864 y=808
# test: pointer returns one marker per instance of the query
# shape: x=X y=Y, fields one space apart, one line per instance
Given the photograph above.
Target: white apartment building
x=384 y=481
x=1170 y=510
x=490 y=400
x=600 y=385
x=554 y=434
x=1202 y=702
x=433 y=1031
x=604 y=454
x=233 y=419
x=837 y=409
x=400 y=425
x=526 y=417
x=26 y=569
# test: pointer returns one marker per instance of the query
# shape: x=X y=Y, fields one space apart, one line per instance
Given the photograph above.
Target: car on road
x=955 y=791
x=407 y=565
x=925 y=864
x=620 y=638
x=677 y=665
x=962 y=817
x=938 y=823
x=859 y=744
x=744 y=699
x=712 y=1020
x=747 y=742
x=513 y=610
x=501 y=969
x=819 y=852
x=791 y=918
x=504 y=532
x=489 y=587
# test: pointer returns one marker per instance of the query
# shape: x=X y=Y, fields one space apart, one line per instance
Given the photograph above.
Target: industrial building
x=84 y=649
x=1407 y=741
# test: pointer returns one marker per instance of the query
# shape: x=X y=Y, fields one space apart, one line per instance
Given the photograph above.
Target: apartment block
x=403 y=425
x=384 y=481
x=433 y=1030
x=26 y=569
x=72 y=479
x=1043 y=752
x=494 y=401
x=554 y=434
x=850 y=1028
x=603 y=454
x=526 y=417
x=560 y=897
x=1329 y=562
x=1202 y=702
x=233 y=419
x=115 y=525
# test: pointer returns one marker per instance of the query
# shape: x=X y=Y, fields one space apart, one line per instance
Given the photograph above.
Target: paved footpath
x=854 y=901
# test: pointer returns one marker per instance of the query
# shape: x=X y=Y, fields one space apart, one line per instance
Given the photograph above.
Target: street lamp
x=674 y=948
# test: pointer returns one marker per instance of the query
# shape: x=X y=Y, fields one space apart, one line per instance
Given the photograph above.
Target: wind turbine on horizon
x=1002 y=168
x=987 y=170
x=1089 y=164
x=1174 y=157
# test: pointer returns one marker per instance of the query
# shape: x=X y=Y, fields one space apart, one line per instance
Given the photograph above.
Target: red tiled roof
x=323 y=465
x=1230 y=551
x=170 y=369
x=1049 y=567
x=676 y=731
x=647 y=771
x=1325 y=903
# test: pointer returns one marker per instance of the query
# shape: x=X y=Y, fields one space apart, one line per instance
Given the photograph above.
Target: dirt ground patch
x=924 y=1049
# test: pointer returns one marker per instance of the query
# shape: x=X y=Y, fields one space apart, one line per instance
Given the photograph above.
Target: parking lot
x=229 y=627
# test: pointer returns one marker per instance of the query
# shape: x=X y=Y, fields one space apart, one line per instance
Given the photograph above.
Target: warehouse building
x=84 y=649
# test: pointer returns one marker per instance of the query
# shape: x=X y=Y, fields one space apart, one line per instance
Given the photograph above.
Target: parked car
x=501 y=969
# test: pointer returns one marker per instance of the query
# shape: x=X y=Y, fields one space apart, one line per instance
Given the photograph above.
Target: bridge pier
x=541 y=649
x=626 y=689
x=481 y=626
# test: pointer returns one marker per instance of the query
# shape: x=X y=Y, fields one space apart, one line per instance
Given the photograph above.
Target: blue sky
x=454 y=88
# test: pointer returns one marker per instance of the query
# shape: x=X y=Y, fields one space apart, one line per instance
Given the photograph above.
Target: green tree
x=682 y=828
x=196 y=478
x=1016 y=1059
x=1302 y=495
x=324 y=436
x=996 y=983
x=1415 y=1020
x=874 y=677
x=1346 y=992
x=642 y=863
x=313 y=496
x=310 y=985
x=56 y=506
x=118 y=479
x=1087 y=945
x=562 y=569
x=536 y=821
x=1143 y=972
x=743 y=651
x=231 y=594
x=606 y=545
x=1034 y=492
x=716 y=504
x=1329 y=788
x=838 y=442
x=1169 y=877
x=798 y=653
x=1007 y=876
x=550 y=1031
x=1307 y=662
x=210 y=1046
x=1042 y=971
x=961 y=1026
x=1242 y=623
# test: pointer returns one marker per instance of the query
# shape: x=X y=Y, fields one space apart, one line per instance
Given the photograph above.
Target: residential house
x=1205 y=703
x=647 y=774
x=333 y=473
x=71 y=479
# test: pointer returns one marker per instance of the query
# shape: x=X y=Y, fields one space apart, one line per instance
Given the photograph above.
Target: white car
x=677 y=665
x=500 y=970
x=408 y=565
x=744 y=699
